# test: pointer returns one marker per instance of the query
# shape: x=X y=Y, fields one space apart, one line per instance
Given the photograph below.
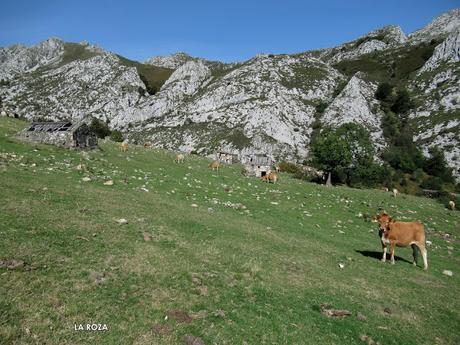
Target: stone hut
x=257 y=165
x=77 y=135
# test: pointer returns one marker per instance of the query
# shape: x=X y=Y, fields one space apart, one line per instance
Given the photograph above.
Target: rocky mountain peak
x=441 y=26
x=169 y=61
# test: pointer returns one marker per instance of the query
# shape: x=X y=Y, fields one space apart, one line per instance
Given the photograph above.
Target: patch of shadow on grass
x=378 y=255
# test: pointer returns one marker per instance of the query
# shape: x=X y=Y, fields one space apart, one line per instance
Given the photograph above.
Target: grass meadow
x=217 y=256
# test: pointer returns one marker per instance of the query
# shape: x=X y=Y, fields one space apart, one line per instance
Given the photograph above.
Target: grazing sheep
x=124 y=146
x=147 y=144
x=215 y=165
x=180 y=158
x=451 y=205
x=395 y=192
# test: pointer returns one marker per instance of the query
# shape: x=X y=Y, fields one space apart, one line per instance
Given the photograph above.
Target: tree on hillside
x=436 y=165
x=99 y=127
x=383 y=91
x=340 y=151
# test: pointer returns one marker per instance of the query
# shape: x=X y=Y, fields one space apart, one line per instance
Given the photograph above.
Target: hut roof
x=49 y=126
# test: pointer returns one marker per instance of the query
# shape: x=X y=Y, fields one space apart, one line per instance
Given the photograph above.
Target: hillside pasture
x=174 y=251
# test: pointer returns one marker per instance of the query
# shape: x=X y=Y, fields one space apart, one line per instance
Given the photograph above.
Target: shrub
x=383 y=91
x=289 y=167
x=402 y=103
x=99 y=127
x=116 y=136
x=432 y=182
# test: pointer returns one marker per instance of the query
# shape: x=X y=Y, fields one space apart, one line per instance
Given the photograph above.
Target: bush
x=383 y=91
x=432 y=182
x=436 y=165
x=289 y=167
x=99 y=127
x=116 y=136
x=402 y=102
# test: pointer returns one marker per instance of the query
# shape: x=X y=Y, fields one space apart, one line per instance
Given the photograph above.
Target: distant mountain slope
x=268 y=104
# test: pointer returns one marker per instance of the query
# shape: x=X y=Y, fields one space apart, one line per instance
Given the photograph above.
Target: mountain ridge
x=267 y=104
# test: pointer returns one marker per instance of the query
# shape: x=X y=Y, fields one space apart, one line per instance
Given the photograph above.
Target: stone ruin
x=66 y=134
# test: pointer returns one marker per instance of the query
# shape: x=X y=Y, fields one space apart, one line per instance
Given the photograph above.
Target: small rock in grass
x=361 y=317
x=194 y=205
x=341 y=265
x=86 y=179
x=447 y=273
x=219 y=312
x=387 y=311
x=147 y=237
x=97 y=277
x=122 y=221
x=428 y=243
x=192 y=340
x=12 y=264
x=108 y=183
x=179 y=315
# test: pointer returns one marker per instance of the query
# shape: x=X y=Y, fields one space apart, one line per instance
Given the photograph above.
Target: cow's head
x=384 y=220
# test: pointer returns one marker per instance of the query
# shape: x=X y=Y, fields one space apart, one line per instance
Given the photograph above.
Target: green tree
x=99 y=127
x=116 y=136
x=436 y=165
x=343 y=150
x=402 y=103
x=383 y=91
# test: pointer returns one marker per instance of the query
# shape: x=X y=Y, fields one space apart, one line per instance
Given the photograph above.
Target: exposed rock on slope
x=170 y=61
x=441 y=26
x=268 y=104
x=19 y=59
x=356 y=103
x=448 y=52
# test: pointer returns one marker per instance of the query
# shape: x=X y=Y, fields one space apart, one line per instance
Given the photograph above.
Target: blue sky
x=219 y=30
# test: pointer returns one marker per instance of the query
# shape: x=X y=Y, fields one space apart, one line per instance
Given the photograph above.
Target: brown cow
x=270 y=177
x=402 y=234
x=124 y=146
x=180 y=158
x=215 y=165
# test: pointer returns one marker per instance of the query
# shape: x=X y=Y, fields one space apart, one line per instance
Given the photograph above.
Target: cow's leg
x=384 y=247
x=392 y=244
x=424 y=255
x=414 y=253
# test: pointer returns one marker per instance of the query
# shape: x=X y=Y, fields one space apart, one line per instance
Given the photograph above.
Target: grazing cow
x=277 y=168
x=270 y=177
x=215 y=165
x=395 y=192
x=124 y=146
x=180 y=158
x=147 y=144
x=402 y=234
x=264 y=178
x=451 y=205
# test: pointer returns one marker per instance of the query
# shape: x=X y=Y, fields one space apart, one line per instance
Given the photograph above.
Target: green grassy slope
x=252 y=263
x=153 y=77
